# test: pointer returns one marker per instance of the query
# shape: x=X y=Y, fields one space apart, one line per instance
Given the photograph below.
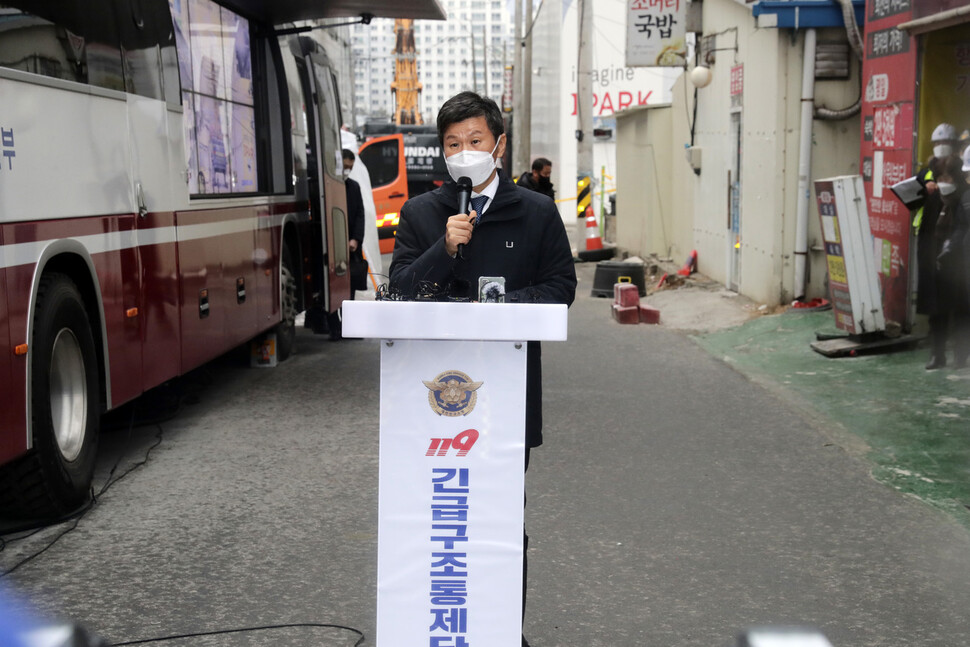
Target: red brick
x=649 y=314
x=626 y=314
x=626 y=294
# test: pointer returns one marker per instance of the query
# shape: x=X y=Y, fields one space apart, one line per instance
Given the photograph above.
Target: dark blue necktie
x=478 y=204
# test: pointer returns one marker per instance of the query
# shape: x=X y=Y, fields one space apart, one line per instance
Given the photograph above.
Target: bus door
x=328 y=197
x=384 y=159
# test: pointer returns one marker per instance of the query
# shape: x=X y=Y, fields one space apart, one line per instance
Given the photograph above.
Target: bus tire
x=54 y=477
x=289 y=308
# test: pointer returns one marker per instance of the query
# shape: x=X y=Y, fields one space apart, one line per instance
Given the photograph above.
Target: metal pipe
x=804 y=163
x=855 y=41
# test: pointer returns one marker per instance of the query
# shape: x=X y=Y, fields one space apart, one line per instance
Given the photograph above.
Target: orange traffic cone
x=690 y=266
x=593 y=240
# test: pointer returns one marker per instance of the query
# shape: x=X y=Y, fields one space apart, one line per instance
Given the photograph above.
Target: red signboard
x=737 y=80
x=889 y=74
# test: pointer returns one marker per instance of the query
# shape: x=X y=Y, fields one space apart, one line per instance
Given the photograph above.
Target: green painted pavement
x=916 y=423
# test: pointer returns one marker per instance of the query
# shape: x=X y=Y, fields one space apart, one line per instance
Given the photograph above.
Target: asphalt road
x=675 y=503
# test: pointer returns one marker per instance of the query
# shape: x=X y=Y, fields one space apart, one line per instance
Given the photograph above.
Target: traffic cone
x=690 y=265
x=593 y=240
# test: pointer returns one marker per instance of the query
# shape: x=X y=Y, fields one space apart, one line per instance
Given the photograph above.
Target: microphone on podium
x=464 y=198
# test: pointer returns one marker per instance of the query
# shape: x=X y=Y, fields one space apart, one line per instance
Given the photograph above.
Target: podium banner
x=449 y=571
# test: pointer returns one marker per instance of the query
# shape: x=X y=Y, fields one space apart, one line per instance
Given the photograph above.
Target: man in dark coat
x=355 y=204
x=941 y=260
x=540 y=178
x=355 y=226
x=520 y=237
x=510 y=232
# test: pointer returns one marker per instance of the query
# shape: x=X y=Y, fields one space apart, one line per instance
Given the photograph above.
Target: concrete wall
x=654 y=196
x=685 y=211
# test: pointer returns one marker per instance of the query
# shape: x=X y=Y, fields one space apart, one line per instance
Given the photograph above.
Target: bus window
x=215 y=61
x=63 y=40
x=381 y=157
x=144 y=27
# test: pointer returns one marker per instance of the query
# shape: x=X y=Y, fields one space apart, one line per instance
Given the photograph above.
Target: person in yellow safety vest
x=935 y=296
x=944 y=140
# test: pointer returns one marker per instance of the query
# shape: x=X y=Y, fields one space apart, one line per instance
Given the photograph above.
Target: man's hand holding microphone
x=459 y=228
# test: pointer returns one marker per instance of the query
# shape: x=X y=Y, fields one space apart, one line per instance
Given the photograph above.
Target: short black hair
x=349 y=154
x=540 y=163
x=467 y=105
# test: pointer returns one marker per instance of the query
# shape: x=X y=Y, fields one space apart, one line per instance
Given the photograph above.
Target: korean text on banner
x=449 y=569
x=656 y=33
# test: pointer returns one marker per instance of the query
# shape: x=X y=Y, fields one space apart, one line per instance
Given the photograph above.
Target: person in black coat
x=539 y=179
x=355 y=226
x=520 y=236
x=511 y=232
x=942 y=259
x=355 y=204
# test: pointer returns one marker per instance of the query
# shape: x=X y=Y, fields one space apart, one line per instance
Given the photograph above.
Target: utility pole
x=526 y=123
x=487 y=91
x=519 y=147
x=584 y=111
x=471 y=38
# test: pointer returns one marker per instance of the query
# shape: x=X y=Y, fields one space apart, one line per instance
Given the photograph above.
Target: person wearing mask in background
x=924 y=223
x=513 y=233
x=355 y=226
x=539 y=179
x=943 y=291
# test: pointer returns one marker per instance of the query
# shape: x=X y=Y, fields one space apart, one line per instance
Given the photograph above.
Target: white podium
x=452 y=452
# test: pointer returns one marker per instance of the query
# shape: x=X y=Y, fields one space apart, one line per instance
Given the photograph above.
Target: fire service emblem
x=452 y=393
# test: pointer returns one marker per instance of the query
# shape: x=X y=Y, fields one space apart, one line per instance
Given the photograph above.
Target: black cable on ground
x=153 y=418
x=79 y=514
x=243 y=630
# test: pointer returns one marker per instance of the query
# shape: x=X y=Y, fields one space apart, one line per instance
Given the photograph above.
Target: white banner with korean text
x=449 y=568
x=656 y=33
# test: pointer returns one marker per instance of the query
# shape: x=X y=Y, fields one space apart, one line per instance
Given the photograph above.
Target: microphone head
x=464 y=183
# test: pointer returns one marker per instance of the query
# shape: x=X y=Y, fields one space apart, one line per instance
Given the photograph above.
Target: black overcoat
x=521 y=237
x=942 y=284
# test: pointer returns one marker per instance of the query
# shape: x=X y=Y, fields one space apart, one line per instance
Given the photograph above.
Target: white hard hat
x=944 y=132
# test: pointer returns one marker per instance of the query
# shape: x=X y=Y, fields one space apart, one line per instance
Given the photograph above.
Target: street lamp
x=701 y=76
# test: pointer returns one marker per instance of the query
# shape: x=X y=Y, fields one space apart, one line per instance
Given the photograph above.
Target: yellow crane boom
x=406 y=87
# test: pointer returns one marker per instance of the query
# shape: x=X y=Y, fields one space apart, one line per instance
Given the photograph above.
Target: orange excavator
x=387 y=157
x=406 y=87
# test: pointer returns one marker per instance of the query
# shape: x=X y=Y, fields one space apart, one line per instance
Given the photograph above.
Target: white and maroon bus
x=170 y=187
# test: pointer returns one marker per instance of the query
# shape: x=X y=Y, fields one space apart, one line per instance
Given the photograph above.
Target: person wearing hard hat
x=933 y=224
x=944 y=138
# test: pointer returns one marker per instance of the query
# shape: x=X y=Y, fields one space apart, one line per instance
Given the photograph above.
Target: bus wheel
x=286 y=329
x=54 y=478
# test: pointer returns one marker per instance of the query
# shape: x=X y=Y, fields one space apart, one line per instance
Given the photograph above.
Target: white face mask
x=475 y=165
x=942 y=150
x=946 y=188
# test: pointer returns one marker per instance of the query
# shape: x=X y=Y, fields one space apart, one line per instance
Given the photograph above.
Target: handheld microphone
x=464 y=198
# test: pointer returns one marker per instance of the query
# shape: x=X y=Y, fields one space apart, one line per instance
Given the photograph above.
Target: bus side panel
x=12 y=443
x=17 y=284
x=159 y=308
x=118 y=275
x=240 y=263
x=269 y=245
x=72 y=154
x=335 y=199
x=215 y=248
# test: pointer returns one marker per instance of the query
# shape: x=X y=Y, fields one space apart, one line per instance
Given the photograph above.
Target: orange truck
x=404 y=163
